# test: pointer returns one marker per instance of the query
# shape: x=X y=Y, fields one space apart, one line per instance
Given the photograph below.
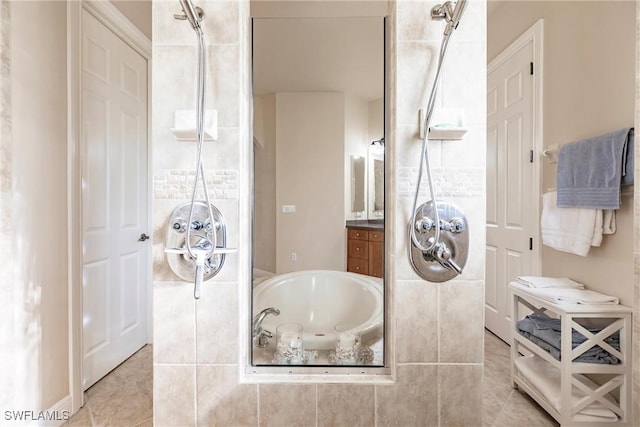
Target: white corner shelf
x=452 y=133
x=192 y=134
x=185 y=125
x=447 y=124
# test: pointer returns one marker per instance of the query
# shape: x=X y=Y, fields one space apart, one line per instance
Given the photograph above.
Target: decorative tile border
x=178 y=184
x=448 y=182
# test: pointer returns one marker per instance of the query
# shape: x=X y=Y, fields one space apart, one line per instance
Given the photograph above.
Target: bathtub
x=321 y=299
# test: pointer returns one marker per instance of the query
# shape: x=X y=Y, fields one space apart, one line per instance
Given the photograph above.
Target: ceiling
x=319 y=54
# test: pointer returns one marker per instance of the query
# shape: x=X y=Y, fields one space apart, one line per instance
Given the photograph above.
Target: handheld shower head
x=192 y=14
x=451 y=12
x=457 y=13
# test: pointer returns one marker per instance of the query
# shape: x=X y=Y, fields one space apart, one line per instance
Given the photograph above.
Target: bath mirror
x=357 y=185
x=376 y=183
x=318 y=257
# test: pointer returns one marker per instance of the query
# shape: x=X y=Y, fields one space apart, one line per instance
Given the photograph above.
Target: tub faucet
x=261 y=336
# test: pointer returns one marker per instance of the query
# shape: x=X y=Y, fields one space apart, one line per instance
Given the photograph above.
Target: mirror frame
x=383 y=374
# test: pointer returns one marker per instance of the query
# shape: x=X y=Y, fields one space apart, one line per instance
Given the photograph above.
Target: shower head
x=192 y=14
x=457 y=13
x=451 y=12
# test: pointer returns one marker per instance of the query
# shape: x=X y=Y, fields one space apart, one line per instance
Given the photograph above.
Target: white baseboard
x=58 y=414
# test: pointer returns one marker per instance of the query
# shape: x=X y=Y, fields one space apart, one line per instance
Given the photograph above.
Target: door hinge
x=530 y=156
x=530 y=243
x=531 y=68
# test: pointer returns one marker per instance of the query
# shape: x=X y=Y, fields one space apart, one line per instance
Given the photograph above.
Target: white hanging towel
x=568 y=229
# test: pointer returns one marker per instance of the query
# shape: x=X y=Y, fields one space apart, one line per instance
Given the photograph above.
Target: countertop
x=366 y=224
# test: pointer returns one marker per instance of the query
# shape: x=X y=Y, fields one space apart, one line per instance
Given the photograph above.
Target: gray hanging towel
x=590 y=171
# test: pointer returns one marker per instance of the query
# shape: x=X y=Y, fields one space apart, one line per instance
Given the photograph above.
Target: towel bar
x=551 y=153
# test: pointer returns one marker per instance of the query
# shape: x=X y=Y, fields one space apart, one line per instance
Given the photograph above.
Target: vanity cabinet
x=365 y=251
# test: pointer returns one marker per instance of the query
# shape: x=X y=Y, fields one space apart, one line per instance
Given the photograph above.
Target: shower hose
x=200 y=174
x=425 y=161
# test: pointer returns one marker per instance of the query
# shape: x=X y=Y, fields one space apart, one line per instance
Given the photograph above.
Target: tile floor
x=124 y=397
x=502 y=406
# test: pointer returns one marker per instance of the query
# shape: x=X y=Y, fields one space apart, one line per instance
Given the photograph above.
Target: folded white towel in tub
x=568 y=295
x=548 y=282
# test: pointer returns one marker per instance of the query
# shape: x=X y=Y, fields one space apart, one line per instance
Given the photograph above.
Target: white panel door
x=512 y=212
x=114 y=200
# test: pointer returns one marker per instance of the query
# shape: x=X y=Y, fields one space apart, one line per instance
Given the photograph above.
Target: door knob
x=143 y=237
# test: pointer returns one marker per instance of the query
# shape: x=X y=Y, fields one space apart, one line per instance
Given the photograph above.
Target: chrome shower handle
x=443 y=256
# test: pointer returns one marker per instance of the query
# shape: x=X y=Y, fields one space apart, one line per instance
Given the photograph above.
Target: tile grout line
x=375 y=406
x=317 y=405
x=258 y=403
x=195 y=362
x=93 y=423
x=438 y=370
x=504 y=404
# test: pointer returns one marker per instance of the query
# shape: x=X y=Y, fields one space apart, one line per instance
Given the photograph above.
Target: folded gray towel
x=590 y=171
x=546 y=333
x=627 y=173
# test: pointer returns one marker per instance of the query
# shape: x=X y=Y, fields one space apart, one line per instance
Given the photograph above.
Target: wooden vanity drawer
x=358 y=249
x=355 y=265
x=356 y=234
x=376 y=236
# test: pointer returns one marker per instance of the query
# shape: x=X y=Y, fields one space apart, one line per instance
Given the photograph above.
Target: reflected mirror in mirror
x=318 y=200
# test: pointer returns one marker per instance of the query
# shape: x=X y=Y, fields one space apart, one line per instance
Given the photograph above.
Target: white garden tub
x=321 y=299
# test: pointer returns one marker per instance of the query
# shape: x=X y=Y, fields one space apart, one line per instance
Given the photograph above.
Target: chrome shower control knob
x=209 y=228
x=179 y=225
x=196 y=225
x=456 y=225
x=425 y=224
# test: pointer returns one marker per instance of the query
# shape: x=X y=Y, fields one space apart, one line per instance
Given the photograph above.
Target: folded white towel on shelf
x=548 y=282
x=569 y=295
x=545 y=378
x=573 y=230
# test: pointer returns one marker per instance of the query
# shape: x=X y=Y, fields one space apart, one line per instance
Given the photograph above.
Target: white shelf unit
x=618 y=318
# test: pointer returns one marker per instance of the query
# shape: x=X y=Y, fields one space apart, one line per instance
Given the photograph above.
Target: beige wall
x=589 y=60
x=437 y=366
x=138 y=12
x=310 y=148
x=376 y=120
x=264 y=196
x=37 y=356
